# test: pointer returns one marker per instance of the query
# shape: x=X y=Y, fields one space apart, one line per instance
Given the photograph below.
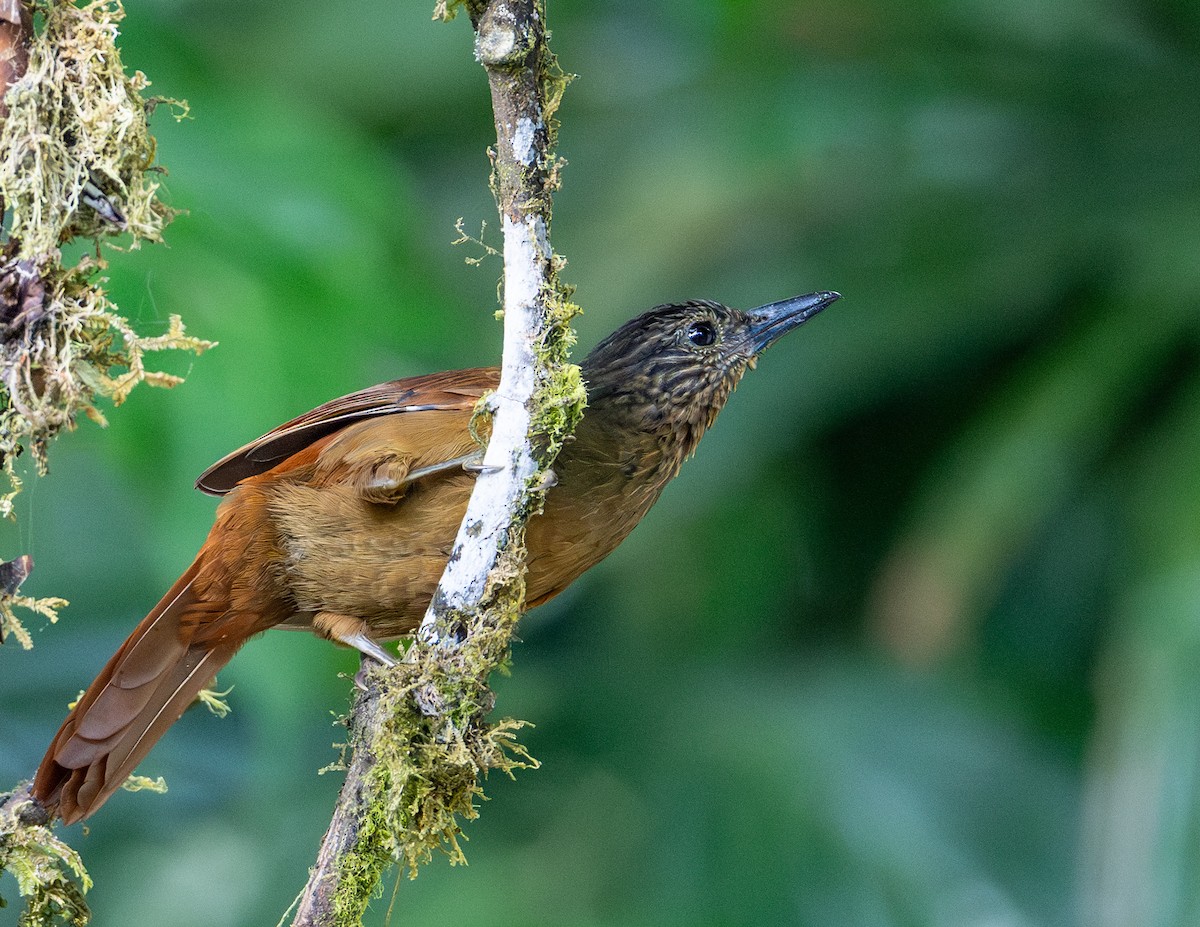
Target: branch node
x=505 y=37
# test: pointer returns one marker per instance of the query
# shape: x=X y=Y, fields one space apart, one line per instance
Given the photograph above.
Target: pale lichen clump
x=76 y=134
x=76 y=162
x=446 y=10
x=47 y=607
x=59 y=365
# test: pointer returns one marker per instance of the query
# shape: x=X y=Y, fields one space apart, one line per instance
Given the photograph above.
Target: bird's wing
x=456 y=390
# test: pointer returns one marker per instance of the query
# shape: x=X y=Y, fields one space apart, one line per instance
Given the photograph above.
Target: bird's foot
x=369 y=648
x=476 y=465
x=376 y=655
x=93 y=196
x=351 y=631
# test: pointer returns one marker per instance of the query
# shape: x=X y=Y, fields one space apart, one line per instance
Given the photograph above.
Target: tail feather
x=174 y=695
x=140 y=693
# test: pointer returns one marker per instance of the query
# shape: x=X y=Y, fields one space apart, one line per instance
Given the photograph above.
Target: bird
x=341 y=521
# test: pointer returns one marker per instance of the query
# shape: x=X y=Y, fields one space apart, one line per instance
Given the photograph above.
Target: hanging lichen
x=76 y=135
x=76 y=161
x=76 y=164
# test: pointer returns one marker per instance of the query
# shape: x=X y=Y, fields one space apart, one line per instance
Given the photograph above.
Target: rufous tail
x=142 y=691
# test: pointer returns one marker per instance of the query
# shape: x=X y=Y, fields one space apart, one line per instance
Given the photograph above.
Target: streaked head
x=676 y=365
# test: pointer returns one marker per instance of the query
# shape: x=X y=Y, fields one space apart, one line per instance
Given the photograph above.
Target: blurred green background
x=913 y=641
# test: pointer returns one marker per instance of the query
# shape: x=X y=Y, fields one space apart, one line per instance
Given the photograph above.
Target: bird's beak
x=771 y=322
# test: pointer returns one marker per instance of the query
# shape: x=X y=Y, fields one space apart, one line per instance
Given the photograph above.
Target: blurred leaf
x=1141 y=853
x=1005 y=474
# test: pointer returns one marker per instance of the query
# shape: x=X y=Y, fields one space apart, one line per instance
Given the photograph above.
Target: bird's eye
x=701 y=334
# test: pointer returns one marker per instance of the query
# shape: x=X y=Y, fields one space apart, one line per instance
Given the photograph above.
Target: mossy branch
x=50 y=875
x=420 y=736
x=76 y=162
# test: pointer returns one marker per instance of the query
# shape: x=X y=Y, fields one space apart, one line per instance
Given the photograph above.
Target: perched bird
x=340 y=522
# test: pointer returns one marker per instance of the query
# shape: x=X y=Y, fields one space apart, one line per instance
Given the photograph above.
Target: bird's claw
x=478 y=467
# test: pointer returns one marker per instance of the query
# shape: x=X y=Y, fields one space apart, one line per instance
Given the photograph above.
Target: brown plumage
x=340 y=521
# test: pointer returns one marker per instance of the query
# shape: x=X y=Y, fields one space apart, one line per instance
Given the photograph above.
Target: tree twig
x=420 y=735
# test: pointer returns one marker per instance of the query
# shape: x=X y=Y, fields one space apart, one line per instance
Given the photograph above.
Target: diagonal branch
x=420 y=734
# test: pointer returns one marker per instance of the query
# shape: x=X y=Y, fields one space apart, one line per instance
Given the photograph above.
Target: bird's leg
x=389 y=479
x=385 y=482
x=341 y=628
x=368 y=647
x=93 y=196
x=345 y=629
x=384 y=478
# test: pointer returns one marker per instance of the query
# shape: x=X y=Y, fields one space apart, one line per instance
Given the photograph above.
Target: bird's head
x=675 y=366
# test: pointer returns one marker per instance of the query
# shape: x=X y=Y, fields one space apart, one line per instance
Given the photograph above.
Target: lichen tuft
x=76 y=162
x=76 y=155
x=47 y=607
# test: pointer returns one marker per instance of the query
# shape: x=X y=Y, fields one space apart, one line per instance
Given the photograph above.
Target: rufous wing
x=455 y=390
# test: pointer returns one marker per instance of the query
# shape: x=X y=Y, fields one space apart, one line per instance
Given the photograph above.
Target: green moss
x=561 y=397
x=554 y=82
x=361 y=868
x=436 y=745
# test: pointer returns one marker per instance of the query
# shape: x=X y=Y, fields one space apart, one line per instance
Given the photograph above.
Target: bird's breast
x=336 y=552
